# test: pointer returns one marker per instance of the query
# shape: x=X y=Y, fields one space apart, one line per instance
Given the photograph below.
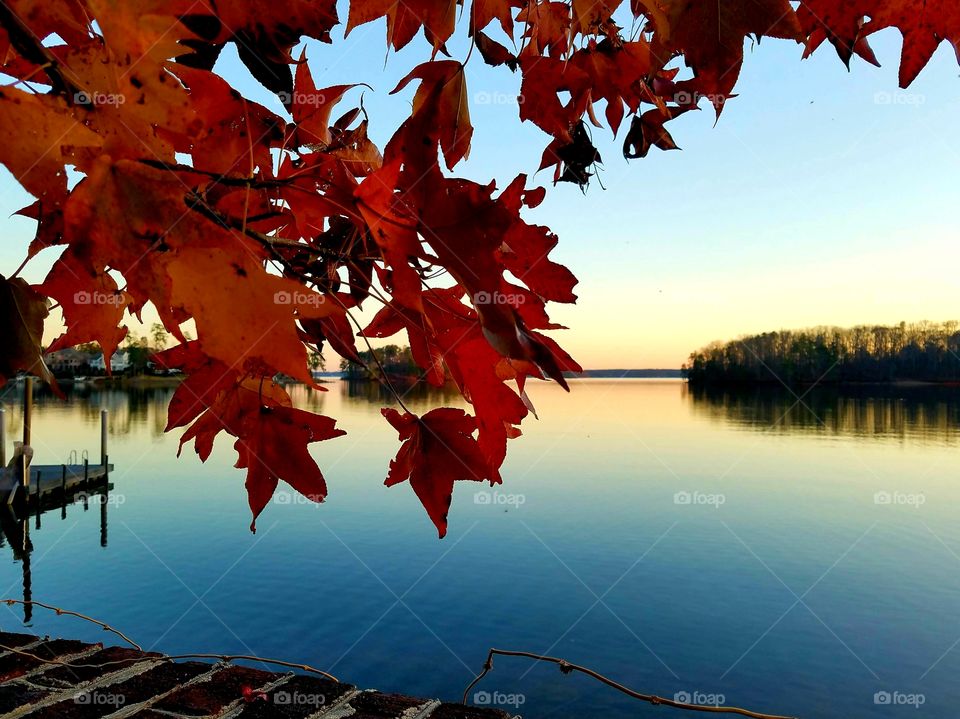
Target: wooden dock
x=43 y=678
x=56 y=480
x=24 y=482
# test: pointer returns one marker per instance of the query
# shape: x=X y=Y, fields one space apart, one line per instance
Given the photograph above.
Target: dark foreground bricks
x=42 y=678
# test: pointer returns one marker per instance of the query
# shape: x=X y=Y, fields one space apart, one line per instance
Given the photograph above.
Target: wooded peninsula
x=907 y=352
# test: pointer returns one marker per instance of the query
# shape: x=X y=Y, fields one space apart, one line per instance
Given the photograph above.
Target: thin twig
x=59 y=612
x=566 y=667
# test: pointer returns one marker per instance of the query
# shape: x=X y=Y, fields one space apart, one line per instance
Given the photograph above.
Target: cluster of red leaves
x=278 y=227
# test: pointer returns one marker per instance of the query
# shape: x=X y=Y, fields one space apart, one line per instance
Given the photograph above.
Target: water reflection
x=417 y=394
x=915 y=413
x=15 y=525
x=130 y=407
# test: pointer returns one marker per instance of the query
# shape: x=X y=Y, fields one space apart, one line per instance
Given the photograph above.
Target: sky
x=821 y=196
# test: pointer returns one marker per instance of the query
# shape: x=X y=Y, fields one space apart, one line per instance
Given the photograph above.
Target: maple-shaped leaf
x=924 y=26
x=647 y=131
x=546 y=28
x=229 y=407
x=481 y=374
x=205 y=379
x=405 y=18
x=543 y=81
x=91 y=303
x=438 y=449
x=45 y=128
x=617 y=72
x=263 y=35
x=593 y=15
x=311 y=107
x=493 y=53
x=244 y=315
x=710 y=35
x=441 y=114
x=846 y=35
x=483 y=12
x=49 y=217
x=393 y=226
x=22 y=312
x=336 y=330
x=235 y=134
x=273 y=446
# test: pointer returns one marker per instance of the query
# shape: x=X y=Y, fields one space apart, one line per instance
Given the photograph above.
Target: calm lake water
x=795 y=558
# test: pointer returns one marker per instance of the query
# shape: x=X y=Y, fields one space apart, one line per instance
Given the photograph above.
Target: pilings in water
x=27 y=430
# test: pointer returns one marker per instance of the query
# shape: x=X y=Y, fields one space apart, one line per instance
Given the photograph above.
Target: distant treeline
x=922 y=351
x=392 y=360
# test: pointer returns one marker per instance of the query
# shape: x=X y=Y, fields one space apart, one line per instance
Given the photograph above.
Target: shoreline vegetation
x=920 y=354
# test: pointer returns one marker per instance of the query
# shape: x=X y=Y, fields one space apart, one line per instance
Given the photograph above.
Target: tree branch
x=566 y=667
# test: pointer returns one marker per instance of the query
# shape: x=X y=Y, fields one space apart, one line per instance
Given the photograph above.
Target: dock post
x=104 y=500
x=38 y=499
x=27 y=408
x=103 y=437
x=3 y=437
x=86 y=472
x=27 y=425
x=63 y=492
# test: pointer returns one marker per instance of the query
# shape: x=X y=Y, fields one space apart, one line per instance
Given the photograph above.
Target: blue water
x=786 y=584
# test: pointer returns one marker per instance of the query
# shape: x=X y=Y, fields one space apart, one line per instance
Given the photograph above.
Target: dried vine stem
x=163 y=657
x=60 y=612
x=567 y=667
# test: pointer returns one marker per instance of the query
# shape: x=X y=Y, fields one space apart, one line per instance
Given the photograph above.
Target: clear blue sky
x=810 y=202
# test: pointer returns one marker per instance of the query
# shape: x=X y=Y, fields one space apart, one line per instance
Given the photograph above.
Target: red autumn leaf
x=493 y=53
x=273 y=445
x=848 y=23
x=647 y=131
x=91 y=303
x=406 y=17
x=441 y=114
x=483 y=12
x=711 y=35
x=245 y=316
x=438 y=449
x=311 y=107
